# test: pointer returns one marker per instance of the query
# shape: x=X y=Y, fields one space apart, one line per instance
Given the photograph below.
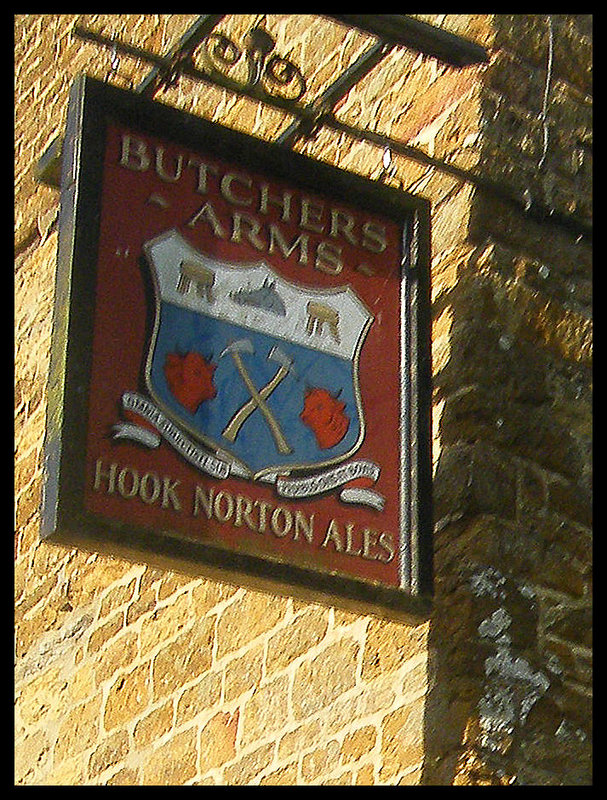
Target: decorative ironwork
x=275 y=81
x=274 y=74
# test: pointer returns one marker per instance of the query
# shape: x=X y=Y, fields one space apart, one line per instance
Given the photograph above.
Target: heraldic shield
x=261 y=371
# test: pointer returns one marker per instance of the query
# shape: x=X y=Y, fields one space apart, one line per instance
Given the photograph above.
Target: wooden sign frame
x=240 y=378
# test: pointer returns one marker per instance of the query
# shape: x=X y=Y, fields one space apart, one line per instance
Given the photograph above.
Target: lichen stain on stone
x=511 y=686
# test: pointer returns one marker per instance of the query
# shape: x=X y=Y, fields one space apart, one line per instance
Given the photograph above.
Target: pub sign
x=240 y=374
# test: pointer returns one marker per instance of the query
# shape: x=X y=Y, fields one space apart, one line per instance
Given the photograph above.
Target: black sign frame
x=65 y=519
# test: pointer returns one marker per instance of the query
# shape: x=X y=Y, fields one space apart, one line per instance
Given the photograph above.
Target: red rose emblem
x=324 y=414
x=190 y=379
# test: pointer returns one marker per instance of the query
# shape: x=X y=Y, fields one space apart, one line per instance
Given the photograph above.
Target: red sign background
x=155 y=186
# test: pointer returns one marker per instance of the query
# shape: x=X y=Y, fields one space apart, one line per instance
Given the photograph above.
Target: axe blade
x=239 y=346
x=281 y=358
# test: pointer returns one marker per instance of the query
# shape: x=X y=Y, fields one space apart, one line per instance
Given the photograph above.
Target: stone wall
x=128 y=675
x=511 y=635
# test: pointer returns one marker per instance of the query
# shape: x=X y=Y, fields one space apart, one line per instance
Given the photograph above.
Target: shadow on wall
x=513 y=483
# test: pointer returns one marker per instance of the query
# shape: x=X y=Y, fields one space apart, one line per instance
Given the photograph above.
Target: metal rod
x=417 y=35
x=339 y=88
x=354 y=73
x=214 y=78
x=530 y=208
x=121 y=47
x=184 y=48
x=309 y=116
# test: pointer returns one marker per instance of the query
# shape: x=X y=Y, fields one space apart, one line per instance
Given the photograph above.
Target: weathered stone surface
x=554 y=554
x=218 y=740
x=474 y=479
x=209 y=593
x=571 y=501
x=267 y=711
x=319 y=761
x=296 y=740
x=247 y=618
x=164 y=624
x=285 y=776
x=243 y=674
x=184 y=659
x=110 y=752
x=528 y=34
x=117 y=596
x=42 y=697
x=571 y=623
x=245 y=770
x=119 y=654
x=320 y=681
x=32 y=753
x=389 y=646
x=574 y=663
x=128 y=697
x=358 y=744
x=174 y=763
x=303 y=633
x=124 y=777
x=365 y=776
x=154 y=725
x=105 y=632
x=402 y=740
x=78 y=730
x=196 y=699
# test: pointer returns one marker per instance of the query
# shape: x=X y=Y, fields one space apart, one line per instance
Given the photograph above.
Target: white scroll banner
x=209 y=463
x=333 y=479
x=196 y=455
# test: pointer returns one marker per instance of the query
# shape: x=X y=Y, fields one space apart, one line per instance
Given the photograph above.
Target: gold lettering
x=328 y=258
x=301 y=241
x=263 y=507
x=161 y=171
x=283 y=202
x=169 y=494
x=281 y=529
x=244 y=507
x=251 y=230
x=226 y=188
x=241 y=190
x=149 y=496
x=101 y=473
x=201 y=497
x=311 y=214
x=241 y=511
x=349 y=550
x=386 y=542
x=374 y=237
x=123 y=482
x=134 y=154
x=129 y=484
x=304 y=526
x=207 y=213
x=342 y=223
x=220 y=514
x=369 y=540
x=334 y=536
x=202 y=170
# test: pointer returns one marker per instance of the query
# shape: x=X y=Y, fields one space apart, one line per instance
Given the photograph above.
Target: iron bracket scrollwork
x=266 y=70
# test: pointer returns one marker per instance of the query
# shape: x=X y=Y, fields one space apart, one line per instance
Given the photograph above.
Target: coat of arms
x=252 y=375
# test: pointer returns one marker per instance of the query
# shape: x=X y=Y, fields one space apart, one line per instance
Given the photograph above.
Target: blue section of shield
x=182 y=331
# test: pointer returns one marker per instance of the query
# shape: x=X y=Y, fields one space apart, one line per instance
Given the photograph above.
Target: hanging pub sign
x=240 y=377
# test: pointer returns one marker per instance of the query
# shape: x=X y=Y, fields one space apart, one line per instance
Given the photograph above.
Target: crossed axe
x=258 y=397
